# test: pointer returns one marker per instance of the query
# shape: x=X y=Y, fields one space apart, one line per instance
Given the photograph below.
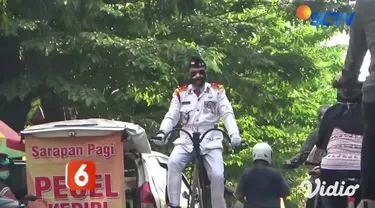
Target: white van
x=151 y=170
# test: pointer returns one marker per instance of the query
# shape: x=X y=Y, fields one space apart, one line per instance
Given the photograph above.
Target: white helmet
x=262 y=151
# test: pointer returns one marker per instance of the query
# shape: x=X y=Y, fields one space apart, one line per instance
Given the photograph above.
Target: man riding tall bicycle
x=199 y=106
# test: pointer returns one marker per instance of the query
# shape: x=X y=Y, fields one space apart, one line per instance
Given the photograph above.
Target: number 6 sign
x=80 y=175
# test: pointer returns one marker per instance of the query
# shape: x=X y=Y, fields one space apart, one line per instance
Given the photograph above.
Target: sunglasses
x=201 y=72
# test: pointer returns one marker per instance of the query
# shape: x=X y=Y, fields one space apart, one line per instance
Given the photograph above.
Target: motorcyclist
x=340 y=136
x=261 y=185
x=4 y=175
x=308 y=145
x=199 y=106
x=362 y=38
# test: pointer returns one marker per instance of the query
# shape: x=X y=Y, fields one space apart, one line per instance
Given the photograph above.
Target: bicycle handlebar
x=191 y=137
x=240 y=147
x=216 y=129
x=203 y=135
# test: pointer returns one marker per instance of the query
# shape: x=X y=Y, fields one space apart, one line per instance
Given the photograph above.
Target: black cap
x=196 y=62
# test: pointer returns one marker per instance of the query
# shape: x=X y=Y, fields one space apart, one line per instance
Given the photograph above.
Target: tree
x=123 y=59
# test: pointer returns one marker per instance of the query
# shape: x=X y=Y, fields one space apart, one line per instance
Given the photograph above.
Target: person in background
x=4 y=175
x=340 y=136
x=361 y=39
x=261 y=186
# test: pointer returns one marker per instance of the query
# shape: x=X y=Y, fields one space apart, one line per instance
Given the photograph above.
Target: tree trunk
x=52 y=106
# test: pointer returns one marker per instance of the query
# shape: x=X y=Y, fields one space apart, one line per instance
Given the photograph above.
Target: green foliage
x=123 y=59
x=34 y=107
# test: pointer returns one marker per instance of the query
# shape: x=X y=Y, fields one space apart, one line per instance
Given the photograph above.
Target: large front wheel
x=197 y=198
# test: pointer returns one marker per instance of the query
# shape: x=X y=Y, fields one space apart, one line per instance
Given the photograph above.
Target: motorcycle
x=6 y=202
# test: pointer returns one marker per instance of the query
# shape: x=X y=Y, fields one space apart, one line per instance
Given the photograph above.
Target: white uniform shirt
x=200 y=113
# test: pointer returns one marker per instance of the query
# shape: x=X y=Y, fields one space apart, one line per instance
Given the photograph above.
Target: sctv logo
x=324 y=18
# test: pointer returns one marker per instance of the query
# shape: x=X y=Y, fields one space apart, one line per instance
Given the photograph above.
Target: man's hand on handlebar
x=240 y=147
x=159 y=139
x=235 y=140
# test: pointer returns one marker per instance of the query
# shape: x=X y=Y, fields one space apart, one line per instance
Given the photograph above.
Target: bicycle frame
x=197 y=157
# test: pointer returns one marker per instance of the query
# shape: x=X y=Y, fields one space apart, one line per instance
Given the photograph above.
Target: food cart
x=49 y=148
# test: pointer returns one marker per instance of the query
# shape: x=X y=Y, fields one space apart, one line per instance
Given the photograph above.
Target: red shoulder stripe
x=217 y=86
x=180 y=90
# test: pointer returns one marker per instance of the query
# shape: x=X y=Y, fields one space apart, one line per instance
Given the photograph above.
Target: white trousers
x=213 y=162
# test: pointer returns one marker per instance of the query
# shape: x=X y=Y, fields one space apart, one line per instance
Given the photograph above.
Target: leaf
x=88 y=102
x=75 y=98
x=275 y=69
